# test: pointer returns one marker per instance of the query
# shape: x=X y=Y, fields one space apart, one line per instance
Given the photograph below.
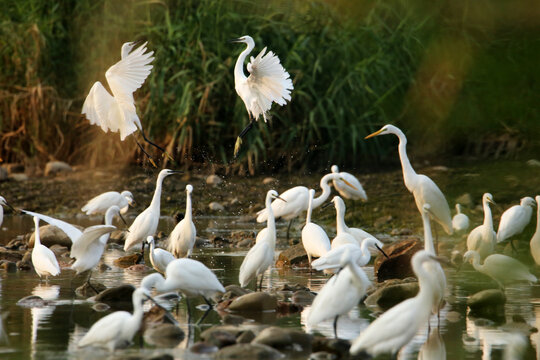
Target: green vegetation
x=448 y=73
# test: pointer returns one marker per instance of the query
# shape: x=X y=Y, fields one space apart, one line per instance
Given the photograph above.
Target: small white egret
x=483 y=238
x=268 y=82
x=341 y=226
x=43 y=258
x=314 y=238
x=297 y=200
x=118 y=112
x=514 y=220
x=188 y=276
x=146 y=223
x=261 y=256
x=3 y=203
x=500 y=268
x=356 y=193
x=101 y=203
x=422 y=187
x=331 y=260
x=397 y=326
x=182 y=238
x=460 y=221
x=158 y=257
x=341 y=293
x=116 y=330
x=535 y=240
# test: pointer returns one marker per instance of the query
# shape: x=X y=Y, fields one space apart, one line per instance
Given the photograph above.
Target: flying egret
x=43 y=258
x=341 y=293
x=356 y=193
x=3 y=203
x=535 y=240
x=182 y=238
x=514 y=220
x=460 y=221
x=500 y=268
x=314 y=238
x=297 y=200
x=362 y=254
x=188 y=276
x=116 y=330
x=483 y=238
x=118 y=112
x=101 y=203
x=422 y=187
x=158 y=257
x=341 y=226
x=397 y=326
x=261 y=256
x=146 y=223
x=268 y=82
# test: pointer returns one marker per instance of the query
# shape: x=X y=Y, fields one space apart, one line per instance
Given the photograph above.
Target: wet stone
x=126 y=261
x=215 y=206
x=33 y=301
x=230 y=319
x=258 y=301
x=221 y=338
x=303 y=297
x=398 y=265
x=213 y=180
x=139 y=268
x=201 y=347
x=117 y=297
x=55 y=167
x=249 y=351
x=164 y=335
x=51 y=235
x=322 y=355
x=10 y=255
x=208 y=334
x=339 y=347
x=86 y=290
x=9 y=266
x=392 y=293
x=294 y=255
x=246 y=337
x=232 y=291
x=100 y=307
x=487 y=303
x=283 y=338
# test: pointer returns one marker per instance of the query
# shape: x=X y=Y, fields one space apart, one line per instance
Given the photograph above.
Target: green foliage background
x=460 y=78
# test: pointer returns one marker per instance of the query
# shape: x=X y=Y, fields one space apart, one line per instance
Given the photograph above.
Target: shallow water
x=52 y=331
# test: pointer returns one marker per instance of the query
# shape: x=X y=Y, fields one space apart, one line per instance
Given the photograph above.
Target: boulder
x=119 y=298
x=33 y=301
x=164 y=335
x=249 y=351
x=294 y=255
x=232 y=291
x=55 y=167
x=10 y=255
x=208 y=334
x=398 y=263
x=269 y=180
x=246 y=337
x=201 y=347
x=220 y=338
x=51 y=235
x=230 y=319
x=339 y=347
x=126 y=261
x=257 y=301
x=284 y=338
x=86 y=290
x=213 y=180
x=215 y=206
x=8 y=266
x=487 y=303
x=392 y=292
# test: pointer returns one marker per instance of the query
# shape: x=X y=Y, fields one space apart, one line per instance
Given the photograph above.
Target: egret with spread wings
x=268 y=82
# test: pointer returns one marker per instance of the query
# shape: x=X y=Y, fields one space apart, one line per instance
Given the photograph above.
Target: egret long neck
x=424 y=281
x=538 y=219
x=319 y=200
x=151 y=253
x=156 y=199
x=428 y=236
x=136 y=318
x=409 y=175
x=341 y=227
x=271 y=221
x=189 y=214
x=37 y=240
x=309 y=209
x=488 y=219
x=476 y=262
x=239 y=67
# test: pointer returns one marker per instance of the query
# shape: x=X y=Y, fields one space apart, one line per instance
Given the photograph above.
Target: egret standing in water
x=158 y=257
x=43 y=258
x=514 y=220
x=397 y=326
x=117 y=113
x=460 y=221
x=101 y=203
x=424 y=190
x=3 y=203
x=356 y=193
x=146 y=223
x=535 y=240
x=483 y=238
x=261 y=256
x=314 y=238
x=183 y=236
x=268 y=82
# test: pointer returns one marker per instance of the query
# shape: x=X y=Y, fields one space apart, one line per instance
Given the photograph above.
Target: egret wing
x=101 y=202
x=89 y=235
x=71 y=231
x=269 y=82
x=97 y=106
x=105 y=329
x=512 y=221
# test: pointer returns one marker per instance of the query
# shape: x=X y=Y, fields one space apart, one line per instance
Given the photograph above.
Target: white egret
x=514 y=220
x=182 y=238
x=397 y=326
x=422 y=187
x=535 y=240
x=343 y=239
x=101 y=203
x=439 y=278
x=356 y=193
x=3 y=203
x=341 y=226
x=158 y=257
x=268 y=82
x=314 y=238
x=43 y=258
x=483 y=238
x=341 y=293
x=188 y=276
x=261 y=256
x=297 y=200
x=362 y=254
x=500 y=268
x=460 y=221
x=146 y=223
x=117 y=113
x=116 y=330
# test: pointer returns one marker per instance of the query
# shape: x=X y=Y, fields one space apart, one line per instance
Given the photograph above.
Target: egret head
x=470 y=255
x=246 y=39
x=189 y=188
x=150 y=239
x=273 y=194
x=335 y=169
x=129 y=197
x=385 y=130
x=488 y=198
x=373 y=243
x=3 y=202
x=528 y=201
x=150 y=281
x=167 y=172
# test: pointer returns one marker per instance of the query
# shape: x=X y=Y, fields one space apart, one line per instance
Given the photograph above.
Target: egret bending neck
x=156 y=199
x=409 y=175
x=428 y=236
x=341 y=227
x=271 y=221
x=239 y=67
x=189 y=215
x=488 y=219
x=319 y=200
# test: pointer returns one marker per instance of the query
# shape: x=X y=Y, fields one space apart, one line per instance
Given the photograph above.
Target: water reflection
x=41 y=315
x=433 y=348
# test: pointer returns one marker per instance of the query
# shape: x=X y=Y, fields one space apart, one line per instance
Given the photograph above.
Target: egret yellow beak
x=348 y=183
x=491 y=202
x=374 y=134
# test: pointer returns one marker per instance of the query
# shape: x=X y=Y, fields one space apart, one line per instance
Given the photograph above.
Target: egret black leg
x=289 y=228
x=188 y=311
x=335 y=326
x=145 y=153
x=241 y=136
x=260 y=283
